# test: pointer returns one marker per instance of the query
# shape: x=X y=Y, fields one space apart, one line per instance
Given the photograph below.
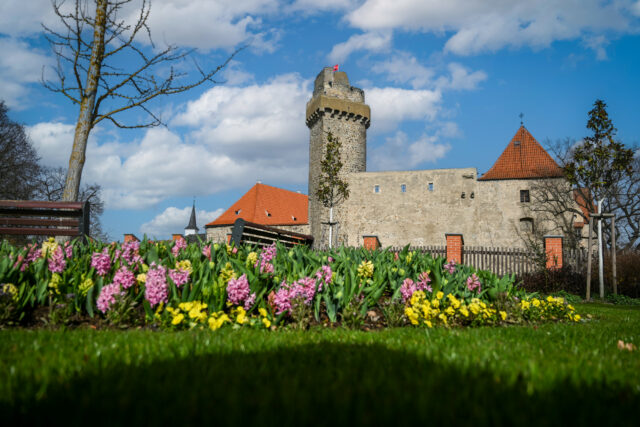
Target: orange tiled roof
x=267 y=205
x=523 y=158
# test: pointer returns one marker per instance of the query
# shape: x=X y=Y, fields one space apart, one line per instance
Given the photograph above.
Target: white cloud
x=315 y=6
x=20 y=66
x=598 y=44
x=460 y=78
x=398 y=153
x=489 y=25
x=390 y=106
x=404 y=68
x=207 y=24
x=372 y=41
x=173 y=220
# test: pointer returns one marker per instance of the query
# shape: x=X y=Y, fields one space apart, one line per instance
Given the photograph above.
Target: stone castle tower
x=337 y=108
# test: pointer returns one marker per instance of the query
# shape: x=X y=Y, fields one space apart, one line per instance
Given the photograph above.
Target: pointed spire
x=192 y=228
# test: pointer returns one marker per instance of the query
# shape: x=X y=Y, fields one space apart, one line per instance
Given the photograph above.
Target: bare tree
x=90 y=53
x=19 y=160
x=51 y=188
x=332 y=189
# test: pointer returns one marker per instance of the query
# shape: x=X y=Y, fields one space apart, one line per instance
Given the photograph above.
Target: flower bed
x=178 y=286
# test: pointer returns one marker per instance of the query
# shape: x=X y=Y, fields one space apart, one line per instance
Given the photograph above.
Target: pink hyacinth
x=423 y=282
x=473 y=283
x=108 y=296
x=57 y=262
x=130 y=252
x=124 y=278
x=407 y=289
x=179 y=277
x=206 y=251
x=101 y=262
x=267 y=254
x=238 y=290
x=249 y=301
x=34 y=253
x=450 y=267
x=178 y=246
x=68 y=249
x=324 y=276
x=156 y=285
x=301 y=291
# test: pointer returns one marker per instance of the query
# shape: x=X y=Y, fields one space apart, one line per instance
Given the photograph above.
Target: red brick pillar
x=228 y=238
x=371 y=242
x=553 y=249
x=130 y=238
x=177 y=237
x=455 y=247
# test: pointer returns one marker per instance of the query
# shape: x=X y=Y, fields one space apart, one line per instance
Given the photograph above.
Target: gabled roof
x=267 y=205
x=523 y=158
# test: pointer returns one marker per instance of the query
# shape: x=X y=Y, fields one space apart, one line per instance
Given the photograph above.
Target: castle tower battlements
x=338 y=108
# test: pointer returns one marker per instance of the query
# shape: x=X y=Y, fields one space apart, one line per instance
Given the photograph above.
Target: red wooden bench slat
x=39 y=221
x=35 y=204
x=33 y=231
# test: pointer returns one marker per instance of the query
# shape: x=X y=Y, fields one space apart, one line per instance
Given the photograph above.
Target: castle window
x=294 y=218
x=403 y=188
x=430 y=186
x=268 y=213
x=376 y=188
x=526 y=225
x=238 y=211
x=524 y=196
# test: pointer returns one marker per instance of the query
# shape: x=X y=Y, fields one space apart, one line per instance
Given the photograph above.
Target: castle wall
x=488 y=215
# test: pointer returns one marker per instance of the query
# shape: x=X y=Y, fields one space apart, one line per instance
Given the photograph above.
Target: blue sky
x=446 y=82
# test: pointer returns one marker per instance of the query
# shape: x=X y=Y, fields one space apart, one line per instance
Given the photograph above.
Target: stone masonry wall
x=488 y=215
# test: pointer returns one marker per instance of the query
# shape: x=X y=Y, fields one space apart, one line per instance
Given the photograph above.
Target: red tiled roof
x=523 y=158
x=267 y=205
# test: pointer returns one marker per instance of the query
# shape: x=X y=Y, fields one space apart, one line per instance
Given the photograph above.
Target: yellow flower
x=141 y=278
x=464 y=311
x=262 y=311
x=85 y=286
x=49 y=247
x=439 y=295
x=251 y=259
x=503 y=315
x=10 y=288
x=411 y=315
x=435 y=303
x=442 y=317
x=217 y=320
x=55 y=281
x=241 y=317
x=184 y=266
x=450 y=311
x=266 y=322
x=365 y=270
x=428 y=323
x=535 y=302
x=145 y=268
x=177 y=319
x=576 y=318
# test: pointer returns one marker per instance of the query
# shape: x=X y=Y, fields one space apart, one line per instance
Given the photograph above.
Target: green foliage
x=332 y=190
x=600 y=161
x=521 y=375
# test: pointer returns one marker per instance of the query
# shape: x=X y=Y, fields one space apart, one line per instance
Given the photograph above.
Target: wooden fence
x=503 y=261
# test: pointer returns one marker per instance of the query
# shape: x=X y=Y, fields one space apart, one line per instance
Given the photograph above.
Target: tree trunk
x=87 y=105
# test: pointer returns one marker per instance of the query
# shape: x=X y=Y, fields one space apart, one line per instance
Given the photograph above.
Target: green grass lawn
x=552 y=374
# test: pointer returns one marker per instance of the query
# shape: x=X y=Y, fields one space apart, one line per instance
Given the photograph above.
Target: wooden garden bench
x=263 y=235
x=39 y=218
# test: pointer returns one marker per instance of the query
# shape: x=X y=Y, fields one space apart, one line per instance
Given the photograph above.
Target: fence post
x=553 y=249
x=589 y=260
x=613 y=254
x=371 y=242
x=455 y=247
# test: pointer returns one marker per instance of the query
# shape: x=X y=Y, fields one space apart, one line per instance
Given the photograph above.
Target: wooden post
x=613 y=254
x=589 y=260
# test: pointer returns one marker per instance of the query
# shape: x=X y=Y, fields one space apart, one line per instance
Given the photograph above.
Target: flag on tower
x=335 y=67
